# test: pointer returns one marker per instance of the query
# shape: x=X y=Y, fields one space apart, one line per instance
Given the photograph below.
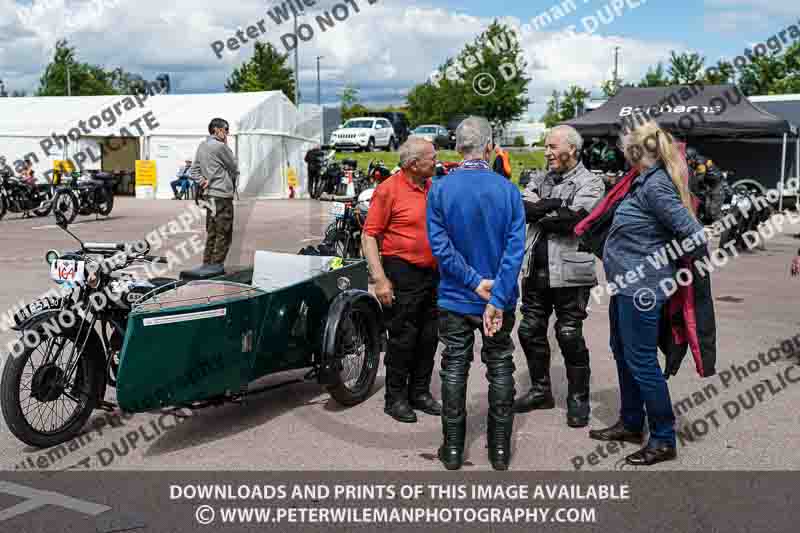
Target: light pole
x=296 y=64
x=319 y=88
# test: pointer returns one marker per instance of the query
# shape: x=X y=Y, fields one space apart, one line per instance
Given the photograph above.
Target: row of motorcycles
x=79 y=193
x=343 y=235
x=741 y=208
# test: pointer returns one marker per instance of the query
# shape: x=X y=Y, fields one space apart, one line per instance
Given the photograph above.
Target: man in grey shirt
x=216 y=170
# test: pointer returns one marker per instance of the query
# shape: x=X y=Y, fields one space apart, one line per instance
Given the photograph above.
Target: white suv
x=365 y=133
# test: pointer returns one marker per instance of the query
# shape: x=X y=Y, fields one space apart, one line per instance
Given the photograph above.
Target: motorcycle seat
x=202 y=272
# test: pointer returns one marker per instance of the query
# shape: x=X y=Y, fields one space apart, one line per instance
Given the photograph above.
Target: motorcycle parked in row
x=16 y=196
x=742 y=211
x=87 y=193
x=59 y=374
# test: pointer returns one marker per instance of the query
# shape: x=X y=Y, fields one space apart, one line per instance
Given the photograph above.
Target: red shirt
x=397 y=213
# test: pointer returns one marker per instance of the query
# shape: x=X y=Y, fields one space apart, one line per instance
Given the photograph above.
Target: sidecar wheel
x=359 y=346
x=32 y=418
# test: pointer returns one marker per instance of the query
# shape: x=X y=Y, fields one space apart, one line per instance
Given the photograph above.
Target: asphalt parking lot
x=731 y=422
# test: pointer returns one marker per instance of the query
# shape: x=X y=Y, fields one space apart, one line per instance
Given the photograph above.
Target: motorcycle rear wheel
x=67 y=203
x=104 y=207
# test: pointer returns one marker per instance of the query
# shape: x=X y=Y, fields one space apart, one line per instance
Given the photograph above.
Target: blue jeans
x=643 y=388
x=183 y=183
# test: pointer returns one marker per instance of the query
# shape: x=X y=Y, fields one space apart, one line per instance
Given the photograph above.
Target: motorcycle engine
x=130 y=291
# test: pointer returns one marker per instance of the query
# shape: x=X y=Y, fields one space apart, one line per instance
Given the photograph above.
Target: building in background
x=267 y=133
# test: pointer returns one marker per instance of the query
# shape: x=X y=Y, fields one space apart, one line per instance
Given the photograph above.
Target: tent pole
x=783 y=174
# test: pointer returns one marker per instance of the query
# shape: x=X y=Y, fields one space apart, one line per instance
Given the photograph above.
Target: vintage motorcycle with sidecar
x=190 y=343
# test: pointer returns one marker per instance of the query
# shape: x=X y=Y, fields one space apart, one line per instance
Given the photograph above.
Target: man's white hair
x=571 y=136
x=473 y=135
x=412 y=150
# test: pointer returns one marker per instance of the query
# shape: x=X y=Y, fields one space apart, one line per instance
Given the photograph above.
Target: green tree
x=552 y=116
x=349 y=95
x=465 y=87
x=655 y=77
x=724 y=74
x=267 y=70
x=685 y=68
x=85 y=79
x=772 y=74
x=574 y=99
x=355 y=110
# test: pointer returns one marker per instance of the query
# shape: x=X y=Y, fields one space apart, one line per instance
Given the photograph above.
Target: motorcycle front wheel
x=42 y=405
x=2 y=206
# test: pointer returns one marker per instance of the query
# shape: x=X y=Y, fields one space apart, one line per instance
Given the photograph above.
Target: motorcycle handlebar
x=155 y=259
x=104 y=247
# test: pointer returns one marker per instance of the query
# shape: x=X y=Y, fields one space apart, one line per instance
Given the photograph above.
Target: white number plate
x=67 y=271
x=337 y=209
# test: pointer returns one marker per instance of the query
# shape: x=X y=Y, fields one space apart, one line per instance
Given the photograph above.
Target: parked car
x=438 y=135
x=400 y=123
x=364 y=133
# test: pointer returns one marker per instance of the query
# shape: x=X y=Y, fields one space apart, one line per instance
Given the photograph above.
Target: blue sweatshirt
x=476 y=229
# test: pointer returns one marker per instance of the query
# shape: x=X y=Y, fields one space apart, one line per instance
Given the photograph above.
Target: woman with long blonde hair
x=657 y=211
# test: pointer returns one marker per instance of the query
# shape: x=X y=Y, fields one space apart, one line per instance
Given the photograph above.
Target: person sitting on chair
x=183 y=179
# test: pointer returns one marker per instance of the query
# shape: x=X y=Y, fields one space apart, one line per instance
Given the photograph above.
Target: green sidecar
x=205 y=341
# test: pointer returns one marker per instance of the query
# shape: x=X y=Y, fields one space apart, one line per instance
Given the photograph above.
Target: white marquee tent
x=267 y=134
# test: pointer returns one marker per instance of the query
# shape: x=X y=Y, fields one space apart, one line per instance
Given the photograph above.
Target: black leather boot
x=499 y=440
x=451 y=452
x=501 y=413
x=578 y=408
x=397 y=405
x=420 y=397
x=540 y=396
x=454 y=421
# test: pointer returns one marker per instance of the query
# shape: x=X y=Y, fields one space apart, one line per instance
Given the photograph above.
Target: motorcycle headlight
x=51 y=257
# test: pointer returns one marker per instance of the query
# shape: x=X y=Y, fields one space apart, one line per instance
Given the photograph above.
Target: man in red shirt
x=406 y=280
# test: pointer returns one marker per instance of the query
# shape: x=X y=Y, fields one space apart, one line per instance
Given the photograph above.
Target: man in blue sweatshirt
x=476 y=229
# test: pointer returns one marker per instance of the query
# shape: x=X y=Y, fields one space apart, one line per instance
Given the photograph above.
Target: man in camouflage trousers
x=216 y=170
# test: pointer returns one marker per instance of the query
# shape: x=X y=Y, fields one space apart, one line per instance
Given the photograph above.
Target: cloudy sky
x=384 y=47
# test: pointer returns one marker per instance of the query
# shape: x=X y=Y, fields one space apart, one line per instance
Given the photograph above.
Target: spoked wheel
x=66 y=203
x=46 y=206
x=43 y=402
x=358 y=345
x=105 y=203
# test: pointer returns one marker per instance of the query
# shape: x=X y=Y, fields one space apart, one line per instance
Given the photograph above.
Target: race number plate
x=67 y=271
x=337 y=209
